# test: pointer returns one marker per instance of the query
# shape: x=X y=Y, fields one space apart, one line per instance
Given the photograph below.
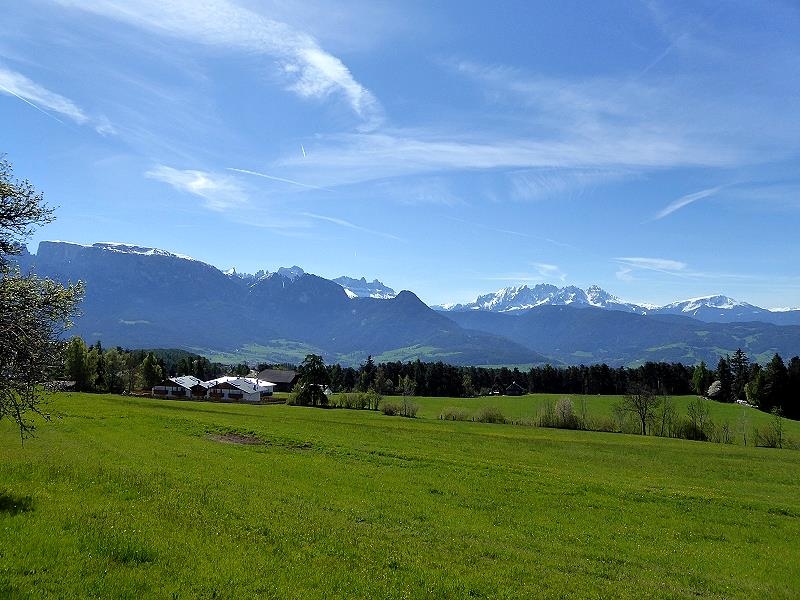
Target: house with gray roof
x=185 y=387
x=284 y=380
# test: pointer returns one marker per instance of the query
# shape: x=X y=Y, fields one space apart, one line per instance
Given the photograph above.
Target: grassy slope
x=129 y=498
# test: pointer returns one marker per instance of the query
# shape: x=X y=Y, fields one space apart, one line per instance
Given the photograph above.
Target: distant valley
x=145 y=297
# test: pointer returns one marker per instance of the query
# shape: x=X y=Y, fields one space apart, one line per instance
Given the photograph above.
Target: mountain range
x=145 y=297
x=713 y=309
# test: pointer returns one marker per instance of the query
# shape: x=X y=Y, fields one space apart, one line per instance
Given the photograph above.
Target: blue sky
x=450 y=148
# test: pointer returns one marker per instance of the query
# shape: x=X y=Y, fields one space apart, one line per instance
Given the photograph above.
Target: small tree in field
x=310 y=388
x=642 y=402
x=699 y=417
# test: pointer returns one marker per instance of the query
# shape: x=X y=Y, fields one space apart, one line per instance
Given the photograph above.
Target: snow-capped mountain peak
x=361 y=288
x=597 y=296
x=523 y=297
x=715 y=302
x=123 y=248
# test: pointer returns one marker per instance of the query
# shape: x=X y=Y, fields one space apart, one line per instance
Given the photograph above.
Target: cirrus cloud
x=219 y=192
x=310 y=71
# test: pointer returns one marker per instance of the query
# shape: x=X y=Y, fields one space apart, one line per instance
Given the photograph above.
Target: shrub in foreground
x=489 y=414
x=391 y=409
x=403 y=409
x=453 y=413
x=409 y=409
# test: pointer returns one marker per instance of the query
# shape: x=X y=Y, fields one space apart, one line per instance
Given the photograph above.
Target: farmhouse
x=222 y=389
x=239 y=389
x=515 y=389
x=284 y=380
x=186 y=386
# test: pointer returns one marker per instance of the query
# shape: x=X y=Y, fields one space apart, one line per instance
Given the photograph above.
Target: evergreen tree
x=313 y=379
x=183 y=367
x=380 y=381
x=725 y=379
x=775 y=385
x=97 y=369
x=366 y=376
x=740 y=371
x=754 y=390
x=791 y=402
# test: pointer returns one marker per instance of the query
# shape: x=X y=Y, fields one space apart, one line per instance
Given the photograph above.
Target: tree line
x=117 y=370
x=442 y=379
x=774 y=386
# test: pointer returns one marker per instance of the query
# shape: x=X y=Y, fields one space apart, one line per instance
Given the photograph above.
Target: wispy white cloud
x=653 y=264
x=48 y=102
x=309 y=71
x=687 y=200
x=349 y=225
x=219 y=192
x=417 y=190
x=550 y=272
x=539 y=184
x=356 y=158
x=628 y=266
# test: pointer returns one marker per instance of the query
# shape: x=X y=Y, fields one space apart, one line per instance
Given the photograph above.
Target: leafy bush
x=391 y=409
x=454 y=414
x=490 y=414
x=307 y=395
x=604 y=424
x=561 y=415
x=565 y=414
x=547 y=415
x=409 y=409
x=357 y=400
x=372 y=399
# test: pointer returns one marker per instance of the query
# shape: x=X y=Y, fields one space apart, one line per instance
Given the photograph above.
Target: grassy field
x=138 y=498
x=522 y=408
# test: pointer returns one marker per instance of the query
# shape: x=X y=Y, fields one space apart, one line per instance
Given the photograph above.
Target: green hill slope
x=137 y=498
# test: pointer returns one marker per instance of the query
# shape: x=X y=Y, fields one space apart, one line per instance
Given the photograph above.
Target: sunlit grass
x=133 y=498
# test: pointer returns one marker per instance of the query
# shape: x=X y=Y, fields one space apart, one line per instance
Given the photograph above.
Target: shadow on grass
x=11 y=504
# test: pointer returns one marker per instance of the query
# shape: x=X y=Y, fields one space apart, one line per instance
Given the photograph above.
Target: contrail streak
x=284 y=180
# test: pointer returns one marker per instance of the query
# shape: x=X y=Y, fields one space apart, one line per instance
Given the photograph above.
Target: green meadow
x=527 y=408
x=122 y=497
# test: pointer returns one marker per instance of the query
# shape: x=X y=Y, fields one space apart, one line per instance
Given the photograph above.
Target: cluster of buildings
x=252 y=390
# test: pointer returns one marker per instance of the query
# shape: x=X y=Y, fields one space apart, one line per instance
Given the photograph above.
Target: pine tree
x=725 y=379
x=740 y=371
x=775 y=384
x=791 y=402
x=313 y=379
